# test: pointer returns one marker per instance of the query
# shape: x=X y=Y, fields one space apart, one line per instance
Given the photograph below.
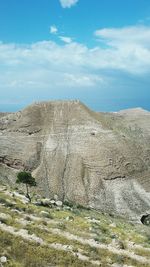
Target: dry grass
x=80 y=222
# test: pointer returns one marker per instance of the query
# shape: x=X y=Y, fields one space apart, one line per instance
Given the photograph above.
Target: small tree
x=27 y=179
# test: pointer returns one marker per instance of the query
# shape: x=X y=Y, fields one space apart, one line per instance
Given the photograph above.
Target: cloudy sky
x=97 y=51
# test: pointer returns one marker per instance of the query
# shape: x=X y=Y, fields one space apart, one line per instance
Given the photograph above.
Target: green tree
x=27 y=179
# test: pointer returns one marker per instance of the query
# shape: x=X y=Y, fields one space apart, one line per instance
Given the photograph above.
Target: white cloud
x=82 y=80
x=49 y=66
x=65 y=39
x=45 y=65
x=53 y=29
x=139 y=35
x=126 y=48
x=68 y=3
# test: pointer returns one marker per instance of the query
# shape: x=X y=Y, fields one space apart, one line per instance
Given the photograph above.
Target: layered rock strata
x=100 y=160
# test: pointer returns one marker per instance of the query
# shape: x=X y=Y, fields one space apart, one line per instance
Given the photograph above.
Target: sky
x=97 y=51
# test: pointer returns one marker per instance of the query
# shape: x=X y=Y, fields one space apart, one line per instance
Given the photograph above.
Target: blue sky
x=97 y=51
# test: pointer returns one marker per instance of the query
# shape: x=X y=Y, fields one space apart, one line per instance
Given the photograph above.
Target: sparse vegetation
x=45 y=236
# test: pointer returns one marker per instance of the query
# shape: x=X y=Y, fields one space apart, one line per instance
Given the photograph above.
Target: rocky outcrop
x=101 y=160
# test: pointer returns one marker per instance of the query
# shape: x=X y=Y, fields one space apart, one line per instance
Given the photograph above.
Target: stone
x=94 y=159
x=4 y=217
x=59 y=203
x=16 y=211
x=44 y=213
x=55 y=197
x=22 y=198
x=93 y=220
x=58 y=208
x=117 y=265
x=3 y=259
x=53 y=202
x=113 y=225
x=46 y=202
x=118 y=244
x=37 y=203
x=69 y=218
x=67 y=208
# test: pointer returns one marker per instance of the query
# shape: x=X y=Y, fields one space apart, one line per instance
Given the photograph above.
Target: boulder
x=4 y=217
x=3 y=259
x=59 y=203
x=55 y=197
x=53 y=202
x=46 y=202
x=44 y=213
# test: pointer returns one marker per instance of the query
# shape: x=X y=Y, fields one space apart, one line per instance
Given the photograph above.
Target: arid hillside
x=66 y=235
x=98 y=160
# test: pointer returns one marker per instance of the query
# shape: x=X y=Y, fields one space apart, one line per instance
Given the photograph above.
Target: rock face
x=101 y=160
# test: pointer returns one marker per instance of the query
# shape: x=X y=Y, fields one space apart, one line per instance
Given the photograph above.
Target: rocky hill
x=99 y=160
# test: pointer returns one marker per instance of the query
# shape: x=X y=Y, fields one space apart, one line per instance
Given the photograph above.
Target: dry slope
x=100 y=160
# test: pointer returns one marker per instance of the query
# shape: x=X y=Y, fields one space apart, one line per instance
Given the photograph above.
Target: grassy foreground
x=37 y=236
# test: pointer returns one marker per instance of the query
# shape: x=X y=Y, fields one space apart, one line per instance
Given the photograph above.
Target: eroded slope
x=99 y=160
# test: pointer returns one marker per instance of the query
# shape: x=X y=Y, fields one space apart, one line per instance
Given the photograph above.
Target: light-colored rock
x=46 y=202
x=55 y=197
x=4 y=217
x=67 y=208
x=99 y=160
x=59 y=203
x=69 y=218
x=3 y=259
x=117 y=244
x=53 y=202
x=93 y=220
x=22 y=221
x=22 y=198
x=44 y=213
x=113 y=225
x=17 y=211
